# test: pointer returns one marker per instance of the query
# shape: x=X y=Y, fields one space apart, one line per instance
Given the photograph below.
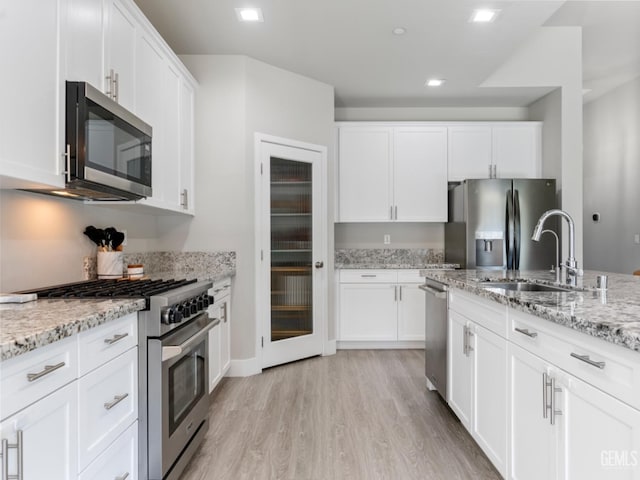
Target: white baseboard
x=385 y=345
x=244 y=368
x=329 y=348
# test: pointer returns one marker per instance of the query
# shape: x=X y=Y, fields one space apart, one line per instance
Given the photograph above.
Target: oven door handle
x=170 y=351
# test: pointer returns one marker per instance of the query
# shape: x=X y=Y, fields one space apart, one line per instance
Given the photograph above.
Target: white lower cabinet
x=478 y=385
x=49 y=437
x=119 y=461
x=108 y=404
x=368 y=311
x=215 y=363
x=72 y=403
x=220 y=335
x=601 y=434
x=460 y=368
x=546 y=402
x=534 y=448
x=381 y=306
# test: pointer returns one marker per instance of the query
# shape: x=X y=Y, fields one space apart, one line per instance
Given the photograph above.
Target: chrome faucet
x=571 y=265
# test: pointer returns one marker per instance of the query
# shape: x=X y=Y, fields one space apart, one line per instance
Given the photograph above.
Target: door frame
x=321 y=310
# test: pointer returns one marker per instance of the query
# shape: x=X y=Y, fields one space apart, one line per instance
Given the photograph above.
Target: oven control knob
x=169 y=315
x=186 y=310
x=210 y=297
x=205 y=300
x=194 y=306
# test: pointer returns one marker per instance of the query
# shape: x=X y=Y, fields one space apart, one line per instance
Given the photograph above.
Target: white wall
x=237 y=97
x=41 y=239
x=403 y=235
x=612 y=179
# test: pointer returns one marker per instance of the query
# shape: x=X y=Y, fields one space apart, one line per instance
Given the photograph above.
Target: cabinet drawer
x=410 y=276
x=99 y=345
x=489 y=314
x=221 y=289
x=108 y=404
x=29 y=377
x=620 y=375
x=368 y=276
x=118 y=461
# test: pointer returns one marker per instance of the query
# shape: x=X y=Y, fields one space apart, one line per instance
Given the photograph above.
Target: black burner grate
x=111 y=288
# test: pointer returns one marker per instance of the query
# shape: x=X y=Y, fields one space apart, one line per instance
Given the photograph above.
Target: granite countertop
x=612 y=315
x=27 y=326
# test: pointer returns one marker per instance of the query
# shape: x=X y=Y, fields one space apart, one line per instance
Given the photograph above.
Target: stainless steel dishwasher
x=435 y=351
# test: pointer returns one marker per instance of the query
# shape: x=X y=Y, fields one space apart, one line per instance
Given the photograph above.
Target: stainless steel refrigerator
x=491 y=222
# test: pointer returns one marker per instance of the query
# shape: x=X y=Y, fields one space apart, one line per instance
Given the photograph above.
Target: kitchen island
x=612 y=315
x=546 y=382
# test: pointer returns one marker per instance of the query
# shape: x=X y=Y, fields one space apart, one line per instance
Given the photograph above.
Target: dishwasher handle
x=433 y=291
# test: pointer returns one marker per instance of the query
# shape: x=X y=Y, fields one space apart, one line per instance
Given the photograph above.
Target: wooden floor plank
x=359 y=414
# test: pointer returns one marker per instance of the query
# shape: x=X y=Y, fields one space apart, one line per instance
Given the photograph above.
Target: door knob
x=319 y=264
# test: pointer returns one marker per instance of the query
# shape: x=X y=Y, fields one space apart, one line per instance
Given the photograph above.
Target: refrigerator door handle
x=509 y=225
x=516 y=229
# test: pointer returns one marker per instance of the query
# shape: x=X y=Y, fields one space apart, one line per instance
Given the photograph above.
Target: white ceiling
x=349 y=43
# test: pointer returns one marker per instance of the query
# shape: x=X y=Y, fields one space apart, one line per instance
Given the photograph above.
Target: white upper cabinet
x=420 y=174
x=469 y=152
x=112 y=46
x=365 y=174
x=502 y=149
x=31 y=117
x=120 y=61
x=85 y=26
x=389 y=173
x=516 y=150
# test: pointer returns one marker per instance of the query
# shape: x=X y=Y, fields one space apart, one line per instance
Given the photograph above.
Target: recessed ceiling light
x=434 y=82
x=399 y=31
x=249 y=15
x=484 y=15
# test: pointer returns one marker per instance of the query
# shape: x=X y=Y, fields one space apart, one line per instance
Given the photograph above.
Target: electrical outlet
x=636 y=239
x=124 y=242
x=387 y=239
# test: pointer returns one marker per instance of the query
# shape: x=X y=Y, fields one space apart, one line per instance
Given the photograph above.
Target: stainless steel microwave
x=108 y=148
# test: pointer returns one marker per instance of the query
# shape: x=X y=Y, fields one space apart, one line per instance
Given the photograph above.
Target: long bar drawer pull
x=47 y=370
x=586 y=359
x=368 y=276
x=123 y=477
x=116 y=400
x=526 y=332
x=116 y=338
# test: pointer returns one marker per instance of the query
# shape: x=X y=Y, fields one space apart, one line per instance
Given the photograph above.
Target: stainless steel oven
x=178 y=400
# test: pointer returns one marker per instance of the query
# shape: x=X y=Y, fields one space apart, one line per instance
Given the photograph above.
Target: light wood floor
x=360 y=414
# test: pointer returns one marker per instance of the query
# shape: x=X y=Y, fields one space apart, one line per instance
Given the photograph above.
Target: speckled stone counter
x=392 y=258
x=27 y=326
x=612 y=315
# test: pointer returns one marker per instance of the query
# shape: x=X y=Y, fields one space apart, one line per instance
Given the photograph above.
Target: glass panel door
x=291 y=249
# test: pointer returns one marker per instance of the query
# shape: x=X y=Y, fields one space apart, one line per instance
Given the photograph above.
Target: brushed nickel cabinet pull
x=545 y=399
x=553 y=410
x=586 y=359
x=116 y=338
x=184 y=203
x=116 y=400
x=109 y=79
x=46 y=371
x=67 y=162
x=5 y=457
x=368 y=275
x=116 y=87
x=526 y=332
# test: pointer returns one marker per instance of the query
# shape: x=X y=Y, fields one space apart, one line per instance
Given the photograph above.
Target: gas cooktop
x=111 y=289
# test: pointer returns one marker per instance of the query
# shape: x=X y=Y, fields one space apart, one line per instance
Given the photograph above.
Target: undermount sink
x=524 y=287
